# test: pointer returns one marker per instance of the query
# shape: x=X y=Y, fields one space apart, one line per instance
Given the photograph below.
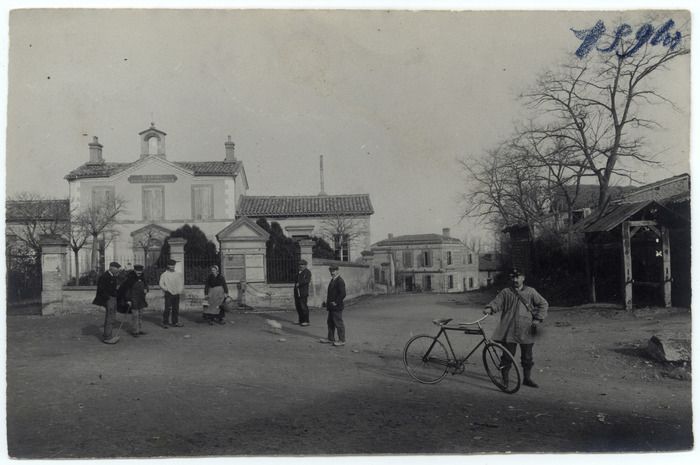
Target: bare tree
x=98 y=218
x=597 y=106
x=505 y=189
x=77 y=239
x=35 y=215
x=342 y=231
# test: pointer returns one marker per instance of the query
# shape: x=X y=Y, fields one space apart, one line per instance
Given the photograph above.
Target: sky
x=391 y=99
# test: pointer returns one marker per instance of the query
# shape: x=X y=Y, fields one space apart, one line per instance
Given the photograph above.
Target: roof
x=617 y=213
x=198 y=168
x=588 y=195
x=417 y=239
x=46 y=210
x=311 y=205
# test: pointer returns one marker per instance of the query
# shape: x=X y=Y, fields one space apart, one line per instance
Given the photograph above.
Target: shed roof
x=42 y=210
x=311 y=205
x=617 y=213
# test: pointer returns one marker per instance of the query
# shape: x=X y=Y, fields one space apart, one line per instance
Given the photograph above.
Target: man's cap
x=303 y=262
x=333 y=268
x=114 y=265
x=171 y=262
x=138 y=267
x=515 y=272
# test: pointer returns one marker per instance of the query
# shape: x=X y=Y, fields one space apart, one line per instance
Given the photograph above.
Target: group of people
x=334 y=302
x=521 y=307
x=119 y=294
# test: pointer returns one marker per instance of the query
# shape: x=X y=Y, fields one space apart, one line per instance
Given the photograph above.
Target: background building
x=428 y=262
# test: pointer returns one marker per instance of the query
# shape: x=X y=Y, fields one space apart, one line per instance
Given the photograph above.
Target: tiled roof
x=312 y=205
x=198 y=168
x=48 y=210
x=417 y=239
x=102 y=170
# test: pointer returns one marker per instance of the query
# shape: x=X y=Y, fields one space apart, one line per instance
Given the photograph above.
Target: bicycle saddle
x=441 y=321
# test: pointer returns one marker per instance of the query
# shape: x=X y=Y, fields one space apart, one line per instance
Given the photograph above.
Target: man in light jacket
x=522 y=310
x=172 y=283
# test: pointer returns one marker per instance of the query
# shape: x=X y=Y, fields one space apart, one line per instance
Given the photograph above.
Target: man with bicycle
x=522 y=310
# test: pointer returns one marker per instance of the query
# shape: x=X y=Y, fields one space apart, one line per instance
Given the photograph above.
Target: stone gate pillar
x=177 y=252
x=306 y=250
x=54 y=273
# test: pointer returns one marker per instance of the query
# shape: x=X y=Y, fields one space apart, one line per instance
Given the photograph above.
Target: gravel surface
x=246 y=388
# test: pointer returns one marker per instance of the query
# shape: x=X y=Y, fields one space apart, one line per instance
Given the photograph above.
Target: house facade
x=342 y=220
x=427 y=262
x=159 y=194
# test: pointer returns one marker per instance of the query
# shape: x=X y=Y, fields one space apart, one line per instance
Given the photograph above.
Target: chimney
x=446 y=232
x=230 y=150
x=390 y=236
x=323 y=192
x=95 y=152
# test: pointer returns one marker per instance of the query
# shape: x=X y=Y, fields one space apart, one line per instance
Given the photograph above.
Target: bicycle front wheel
x=425 y=359
x=501 y=368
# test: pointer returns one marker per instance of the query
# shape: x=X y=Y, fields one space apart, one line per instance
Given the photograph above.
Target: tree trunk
x=77 y=267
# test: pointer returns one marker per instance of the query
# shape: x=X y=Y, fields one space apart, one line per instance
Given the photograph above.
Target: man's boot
x=528 y=380
x=504 y=375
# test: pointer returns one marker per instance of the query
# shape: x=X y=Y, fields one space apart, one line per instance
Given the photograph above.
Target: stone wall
x=78 y=299
x=359 y=280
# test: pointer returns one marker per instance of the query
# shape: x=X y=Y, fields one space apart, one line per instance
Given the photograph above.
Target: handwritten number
x=646 y=34
x=589 y=38
x=622 y=30
x=643 y=35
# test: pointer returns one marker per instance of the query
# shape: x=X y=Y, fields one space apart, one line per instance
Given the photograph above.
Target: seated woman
x=215 y=291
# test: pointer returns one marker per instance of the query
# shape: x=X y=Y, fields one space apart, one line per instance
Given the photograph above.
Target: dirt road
x=244 y=389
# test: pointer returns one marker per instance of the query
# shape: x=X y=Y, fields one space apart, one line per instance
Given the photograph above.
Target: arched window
x=153 y=146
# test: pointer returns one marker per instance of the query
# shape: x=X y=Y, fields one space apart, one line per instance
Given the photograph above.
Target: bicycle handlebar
x=444 y=321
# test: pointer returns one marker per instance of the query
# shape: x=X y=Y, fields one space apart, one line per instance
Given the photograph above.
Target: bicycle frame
x=443 y=331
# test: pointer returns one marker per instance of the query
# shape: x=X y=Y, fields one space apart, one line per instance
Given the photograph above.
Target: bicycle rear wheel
x=425 y=359
x=501 y=368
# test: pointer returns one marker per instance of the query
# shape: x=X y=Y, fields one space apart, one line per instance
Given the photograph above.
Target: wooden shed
x=638 y=254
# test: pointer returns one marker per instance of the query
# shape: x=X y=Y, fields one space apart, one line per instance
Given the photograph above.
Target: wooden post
x=627 y=264
x=590 y=278
x=666 y=250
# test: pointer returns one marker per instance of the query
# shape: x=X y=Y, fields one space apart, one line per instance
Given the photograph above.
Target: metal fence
x=282 y=269
x=196 y=271
x=23 y=278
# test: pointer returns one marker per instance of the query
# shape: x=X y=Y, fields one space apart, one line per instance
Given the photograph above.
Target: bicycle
x=426 y=359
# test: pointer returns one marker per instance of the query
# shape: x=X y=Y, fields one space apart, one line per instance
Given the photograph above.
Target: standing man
x=301 y=292
x=106 y=296
x=334 y=305
x=173 y=283
x=522 y=310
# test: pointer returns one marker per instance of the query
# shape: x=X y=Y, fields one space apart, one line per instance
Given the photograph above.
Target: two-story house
x=159 y=194
x=428 y=262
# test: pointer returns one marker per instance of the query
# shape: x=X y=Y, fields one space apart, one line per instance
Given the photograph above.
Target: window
x=202 y=202
x=342 y=252
x=471 y=283
x=469 y=259
x=450 y=281
x=382 y=278
x=102 y=195
x=449 y=259
x=427 y=283
x=153 y=145
x=376 y=275
x=427 y=258
x=153 y=203
x=407 y=259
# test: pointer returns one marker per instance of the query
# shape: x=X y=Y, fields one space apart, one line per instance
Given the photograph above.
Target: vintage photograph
x=236 y=232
